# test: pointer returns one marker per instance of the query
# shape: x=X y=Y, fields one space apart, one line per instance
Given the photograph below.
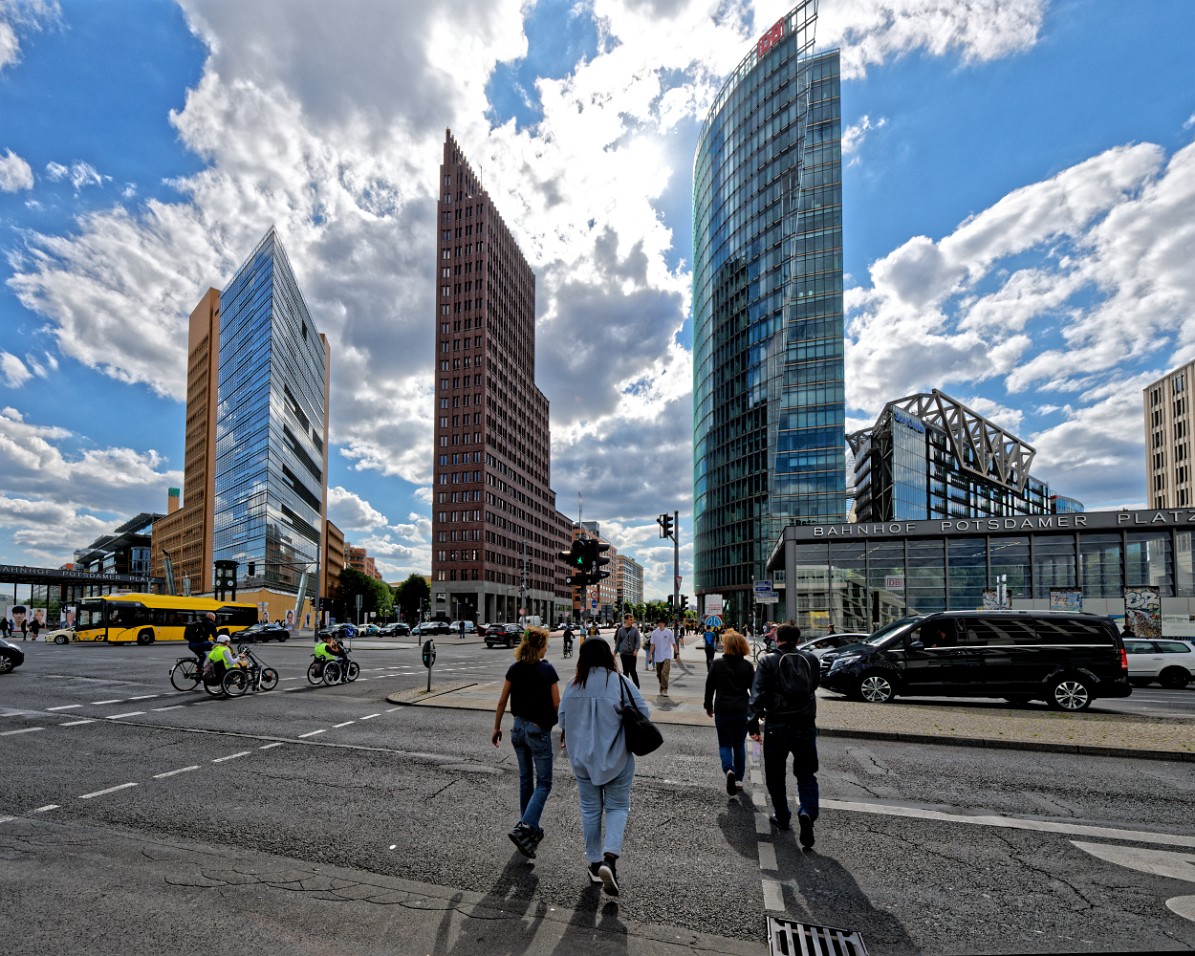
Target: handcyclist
x=329 y=649
x=222 y=659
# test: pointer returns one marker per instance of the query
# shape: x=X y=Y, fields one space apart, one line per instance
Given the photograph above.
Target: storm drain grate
x=790 y=938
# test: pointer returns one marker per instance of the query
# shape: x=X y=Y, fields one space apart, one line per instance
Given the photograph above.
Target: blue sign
x=713 y=621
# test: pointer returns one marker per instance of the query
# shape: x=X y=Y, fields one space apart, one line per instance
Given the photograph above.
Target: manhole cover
x=790 y=938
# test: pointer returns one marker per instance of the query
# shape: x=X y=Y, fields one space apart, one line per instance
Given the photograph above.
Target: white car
x=1169 y=662
x=61 y=635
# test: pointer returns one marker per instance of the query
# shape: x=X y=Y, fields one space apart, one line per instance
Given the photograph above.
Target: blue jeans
x=778 y=742
x=533 y=747
x=732 y=742
x=614 y=800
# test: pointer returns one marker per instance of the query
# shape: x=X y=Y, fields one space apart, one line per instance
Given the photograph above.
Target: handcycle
x=256 y=676
x=338 y=671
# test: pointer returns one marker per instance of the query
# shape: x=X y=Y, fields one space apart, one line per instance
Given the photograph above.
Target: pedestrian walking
x=627 y=641
x=662 y=650
x=533 y=688
x=727 y=694
x=782 y=695
x=709 y=644
x=3 y=626
x=461 y=625
x=592 y=735
x=35 y=627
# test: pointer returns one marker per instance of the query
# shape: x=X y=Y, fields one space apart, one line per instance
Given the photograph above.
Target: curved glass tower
x=768 y=408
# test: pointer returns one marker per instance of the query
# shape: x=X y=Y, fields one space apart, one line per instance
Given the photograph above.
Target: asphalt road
x=136 y=819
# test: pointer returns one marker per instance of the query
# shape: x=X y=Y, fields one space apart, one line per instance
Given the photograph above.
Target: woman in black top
x=533 y=688
x=727 y=689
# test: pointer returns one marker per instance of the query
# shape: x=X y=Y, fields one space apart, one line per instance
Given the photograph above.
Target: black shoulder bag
x=642 y=736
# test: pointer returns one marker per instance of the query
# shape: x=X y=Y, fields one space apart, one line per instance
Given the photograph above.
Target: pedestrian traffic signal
x=665 y=523
x=684 y=602
x=574 y=557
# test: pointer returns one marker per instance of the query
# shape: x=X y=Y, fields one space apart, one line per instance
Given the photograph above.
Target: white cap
x=223 y=639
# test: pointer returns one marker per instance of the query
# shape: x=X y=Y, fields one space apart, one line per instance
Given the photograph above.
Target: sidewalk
x=979 y=723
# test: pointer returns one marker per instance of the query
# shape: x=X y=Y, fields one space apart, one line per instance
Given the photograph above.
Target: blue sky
x=1019 y=226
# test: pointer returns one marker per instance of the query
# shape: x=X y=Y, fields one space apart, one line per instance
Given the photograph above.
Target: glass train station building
x=858 y=576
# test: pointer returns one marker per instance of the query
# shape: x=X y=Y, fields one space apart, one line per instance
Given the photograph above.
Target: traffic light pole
x=675 y=562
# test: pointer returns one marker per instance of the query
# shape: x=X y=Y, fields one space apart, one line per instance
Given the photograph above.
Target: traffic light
x=665 y=523
x=577 y=559
x=684 y=602
x=250 y=569
x=598 y=548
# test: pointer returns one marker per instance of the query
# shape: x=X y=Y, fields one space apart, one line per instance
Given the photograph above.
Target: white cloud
x=854 y=135
x=54 y=501
x=22 y=16
x=14 y=370
x=15 y=173
x=79 y=174
x=350 y=512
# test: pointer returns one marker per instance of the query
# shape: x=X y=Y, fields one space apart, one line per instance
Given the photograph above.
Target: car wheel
x=1069 y=693
x=1174 y=678
x=6 y=663
x=875 y=688
x=61 y=639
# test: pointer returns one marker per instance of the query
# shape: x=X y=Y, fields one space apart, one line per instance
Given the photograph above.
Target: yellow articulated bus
x=146 y=618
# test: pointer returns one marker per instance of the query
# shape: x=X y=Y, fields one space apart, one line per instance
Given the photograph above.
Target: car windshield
x=891 y=632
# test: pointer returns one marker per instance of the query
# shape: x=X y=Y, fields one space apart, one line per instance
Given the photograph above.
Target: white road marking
x=131 y=713
x=23 y=730
x=345 y=724
x=76 y=723
x=270 y=746
x=171 y=773
x=99 y=703
x=1013 y=823
x=100 y=793
x=46 y=808
x=767 y=857
x=65 y=707
x=773 y=896
x=243 y=753
x=762 y=826
x=145 y=697
x=6 y=819
x=171 y=707
x=312 y=734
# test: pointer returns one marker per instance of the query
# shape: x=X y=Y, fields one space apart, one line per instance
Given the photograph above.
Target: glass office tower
x=768 y=405
x=271 y=425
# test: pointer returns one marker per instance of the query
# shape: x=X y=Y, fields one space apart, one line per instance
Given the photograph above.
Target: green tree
x=376 y=596
x=411 y=595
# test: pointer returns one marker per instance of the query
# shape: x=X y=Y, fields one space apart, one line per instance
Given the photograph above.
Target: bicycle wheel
x=269 y=679
x=185 y=674
x=236 y=682
x=351 y=671
x=315 y=674
x=332 y=672
x=213 y=687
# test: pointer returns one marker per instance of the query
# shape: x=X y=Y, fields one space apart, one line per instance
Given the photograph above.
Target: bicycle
x=257 y=676
x=186 y=673
x=567 y=650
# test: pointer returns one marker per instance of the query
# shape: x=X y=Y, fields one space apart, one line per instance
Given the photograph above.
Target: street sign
x=894 y=583
x=772 y=598
x=763 y=587
x=593 y=604
x=713 y=621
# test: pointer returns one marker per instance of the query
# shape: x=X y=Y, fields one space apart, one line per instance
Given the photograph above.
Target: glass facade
x=768 y=405
x=271 y=404
x=859 y=576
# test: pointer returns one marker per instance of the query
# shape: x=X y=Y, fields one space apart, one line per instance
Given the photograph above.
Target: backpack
x=794 y=679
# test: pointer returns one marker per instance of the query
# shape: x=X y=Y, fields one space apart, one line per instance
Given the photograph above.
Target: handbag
x=641 y=735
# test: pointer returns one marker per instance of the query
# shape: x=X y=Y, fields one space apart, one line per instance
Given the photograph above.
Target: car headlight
x=845 y=659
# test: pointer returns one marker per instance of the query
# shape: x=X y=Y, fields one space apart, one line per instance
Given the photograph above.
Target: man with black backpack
x=782 y=695
x=627 y=641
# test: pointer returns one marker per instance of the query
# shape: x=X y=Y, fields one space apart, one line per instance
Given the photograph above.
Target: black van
x=1066 y=659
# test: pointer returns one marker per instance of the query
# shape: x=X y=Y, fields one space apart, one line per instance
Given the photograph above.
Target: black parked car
x=10 y=656
x=1067 y=660
x=260 y=634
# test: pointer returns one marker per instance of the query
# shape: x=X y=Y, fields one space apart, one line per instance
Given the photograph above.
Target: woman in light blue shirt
x=591 y=732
